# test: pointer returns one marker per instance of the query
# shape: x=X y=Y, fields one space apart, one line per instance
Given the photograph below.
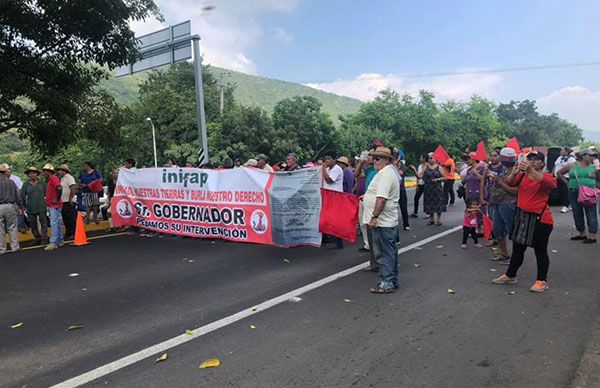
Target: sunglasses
x=377 y=158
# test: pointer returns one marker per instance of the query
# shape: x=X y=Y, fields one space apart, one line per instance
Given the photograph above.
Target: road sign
x=161 y=48
x=166 y=47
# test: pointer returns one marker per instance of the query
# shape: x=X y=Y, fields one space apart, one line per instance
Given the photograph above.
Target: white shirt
x=66 y=182
x=421 y=182
x=17 y=181
x=561 y=162
x=268 y=168
x=337 y=175
x=385 y=185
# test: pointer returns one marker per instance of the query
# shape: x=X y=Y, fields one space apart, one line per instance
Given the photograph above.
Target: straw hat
x=343 y=159
x=48 y=167
x=65 y=167
x=3 y=167
x=383 y=152
x=32 y=169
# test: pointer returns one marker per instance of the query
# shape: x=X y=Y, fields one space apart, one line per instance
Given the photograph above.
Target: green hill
x=250 y=91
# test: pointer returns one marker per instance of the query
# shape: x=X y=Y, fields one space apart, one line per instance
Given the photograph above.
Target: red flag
x=488 y=226
x=481 y=154
x=514 y=144
x=339 y=214
x=441 y=155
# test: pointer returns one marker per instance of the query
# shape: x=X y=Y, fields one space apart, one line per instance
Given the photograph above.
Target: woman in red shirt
x=533 y=219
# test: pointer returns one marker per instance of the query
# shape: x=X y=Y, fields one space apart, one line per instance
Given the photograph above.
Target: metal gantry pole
x=202 y=136
x=153 y=141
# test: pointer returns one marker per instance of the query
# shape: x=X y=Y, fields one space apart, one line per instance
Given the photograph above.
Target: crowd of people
x=512 y=190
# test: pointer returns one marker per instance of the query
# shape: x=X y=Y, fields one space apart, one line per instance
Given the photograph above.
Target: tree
x=301 y=127
x=52 y=53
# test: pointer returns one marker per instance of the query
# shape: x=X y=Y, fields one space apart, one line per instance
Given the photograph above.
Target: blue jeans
x=387 y=256
x=579 y=210
x=56 y=237
x=503 y=217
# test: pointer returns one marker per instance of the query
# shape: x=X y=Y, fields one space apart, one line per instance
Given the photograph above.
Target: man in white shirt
x=19 y=183
x=333 y=179
x=261 y=162
x=381 y=208
x=564 y=159
x=69 y=208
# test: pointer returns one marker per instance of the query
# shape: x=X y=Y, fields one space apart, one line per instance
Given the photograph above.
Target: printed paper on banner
x=234 y=204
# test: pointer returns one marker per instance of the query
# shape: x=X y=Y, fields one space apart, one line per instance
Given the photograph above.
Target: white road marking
x=184 y=337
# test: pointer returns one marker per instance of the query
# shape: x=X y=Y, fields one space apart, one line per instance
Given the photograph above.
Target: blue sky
x=329 y=44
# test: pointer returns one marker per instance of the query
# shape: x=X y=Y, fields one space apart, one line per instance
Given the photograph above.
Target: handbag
x=524 y=227
x=587 y=196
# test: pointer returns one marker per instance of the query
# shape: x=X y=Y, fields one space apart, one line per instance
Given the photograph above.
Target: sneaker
x=505 y=261
x=539 y=286
x=61 y=244
x=498 y=258
x=51 y=247
x=363 y=249
x=503 y=279
x=589 y=241
x=463 y=246
x=576 y=238
x=414 y=215
x=564 y=209
x=478 y=245
x=407 y=228
x=426 y=216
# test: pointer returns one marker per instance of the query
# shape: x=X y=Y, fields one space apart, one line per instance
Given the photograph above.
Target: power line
x=466 y=72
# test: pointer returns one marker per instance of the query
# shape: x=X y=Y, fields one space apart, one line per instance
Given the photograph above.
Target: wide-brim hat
x=383 y=152
x=3 y=167
x=343 y=159
x=261 y=157
x=32 y=169
x=48 y=167
x=65 y=167
x=251 y=163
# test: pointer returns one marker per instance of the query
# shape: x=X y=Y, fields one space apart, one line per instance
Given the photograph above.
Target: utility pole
x=203 y=149
x=221 y=95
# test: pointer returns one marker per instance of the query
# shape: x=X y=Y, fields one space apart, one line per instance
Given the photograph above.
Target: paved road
x=132 y=293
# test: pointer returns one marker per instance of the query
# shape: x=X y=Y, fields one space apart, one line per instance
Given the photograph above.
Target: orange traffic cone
x=80 y=236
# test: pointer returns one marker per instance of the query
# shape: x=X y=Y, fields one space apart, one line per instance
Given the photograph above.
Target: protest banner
x=241 y=204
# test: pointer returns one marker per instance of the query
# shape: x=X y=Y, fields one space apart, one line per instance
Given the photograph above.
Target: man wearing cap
x=33 y=194
x=261 y=162
x=10 y=206
x=503 y=202
x=348 y=181
x=54 y=205
x=251 y=163
x=381 y=209
x=69 y=208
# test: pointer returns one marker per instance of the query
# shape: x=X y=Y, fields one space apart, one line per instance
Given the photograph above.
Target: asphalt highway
x=131 y=293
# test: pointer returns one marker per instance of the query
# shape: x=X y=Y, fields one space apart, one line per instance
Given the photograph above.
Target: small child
x=470 y=225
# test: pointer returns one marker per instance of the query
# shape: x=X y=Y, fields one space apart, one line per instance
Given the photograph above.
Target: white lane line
x=183 y=338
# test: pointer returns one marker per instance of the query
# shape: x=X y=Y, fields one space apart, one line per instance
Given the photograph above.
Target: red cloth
x=441 y=155
x=339 y=214
x=514 y=144
x=533 y=196
x=95 y=186
x=52 y=194
x=488 y=227
x=481 y=154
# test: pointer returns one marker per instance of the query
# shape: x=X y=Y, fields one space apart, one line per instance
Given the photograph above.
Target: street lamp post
x=153 y=141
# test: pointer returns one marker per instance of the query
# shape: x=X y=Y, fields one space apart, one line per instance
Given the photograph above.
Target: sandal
x=370 y=269
x=379 y=290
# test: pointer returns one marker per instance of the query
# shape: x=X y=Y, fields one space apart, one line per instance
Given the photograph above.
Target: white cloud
x=227 y=31
x=459 y=87
x=577 y=104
